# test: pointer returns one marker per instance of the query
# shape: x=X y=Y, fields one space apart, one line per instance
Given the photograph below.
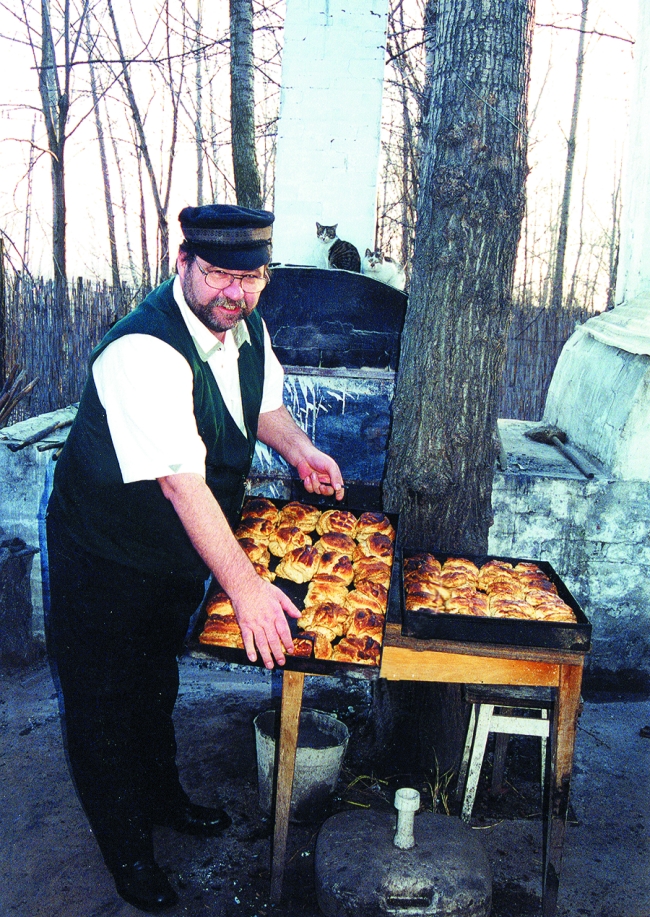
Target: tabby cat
x=332 y=252
x=383 y=268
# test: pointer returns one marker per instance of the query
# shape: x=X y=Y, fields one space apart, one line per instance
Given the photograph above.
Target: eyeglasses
x=219 y=280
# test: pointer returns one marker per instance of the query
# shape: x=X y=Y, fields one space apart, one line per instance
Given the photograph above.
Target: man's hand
x=320 y=474
x=260 y=609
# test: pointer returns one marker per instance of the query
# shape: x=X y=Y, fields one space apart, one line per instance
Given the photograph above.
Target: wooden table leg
x=292 y=687
x=565 y=721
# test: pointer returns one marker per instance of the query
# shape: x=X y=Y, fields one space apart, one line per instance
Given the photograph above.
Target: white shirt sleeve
x=273 y=394
x=145 y=387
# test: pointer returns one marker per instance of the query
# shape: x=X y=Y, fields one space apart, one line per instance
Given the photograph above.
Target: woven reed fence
x=56 y=348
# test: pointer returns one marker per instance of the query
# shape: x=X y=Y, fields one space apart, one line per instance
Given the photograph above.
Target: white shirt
x=145 y=386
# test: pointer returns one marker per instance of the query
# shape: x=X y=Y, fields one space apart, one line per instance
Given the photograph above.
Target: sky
x=602 y=131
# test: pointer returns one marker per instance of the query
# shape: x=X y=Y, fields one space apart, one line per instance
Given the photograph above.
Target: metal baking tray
x=509 y=632
x=296 y=592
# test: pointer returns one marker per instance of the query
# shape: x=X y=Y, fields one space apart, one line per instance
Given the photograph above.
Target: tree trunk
x=242 y=105
x=563 y=230
x=442 y=448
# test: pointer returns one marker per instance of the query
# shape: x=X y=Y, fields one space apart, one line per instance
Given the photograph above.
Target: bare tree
x=242 y=105
x=563 y=230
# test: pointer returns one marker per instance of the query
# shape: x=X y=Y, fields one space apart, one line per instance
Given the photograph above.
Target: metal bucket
x=322 y=742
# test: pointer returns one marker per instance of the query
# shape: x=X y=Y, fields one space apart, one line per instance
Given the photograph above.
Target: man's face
x=219 y=310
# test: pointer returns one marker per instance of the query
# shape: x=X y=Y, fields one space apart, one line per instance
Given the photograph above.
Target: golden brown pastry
x=363 y=623
x=303 y=646
x=256 y=553
x=356 y=600
x=338 y=565
x=422 y=562
x=326 y=617
x=375 y=590
x=508 y=608
x=456 y=579
x=374 y=570
x=507 y=589
x=360 y=650
x=222 y=631
x=324 y=587
x=371 y=523
x=427 y=600
x=376 y=545
x=299 y=564
x=337 y=520
x=462 y=564
x=260 y=508
x=437 y=593
x=258 y=530
x=286 y=538
x=220 y=605
x=469 y=603
x=336 y=542
x=300 y=514
x=322 y=645
x=263 y=571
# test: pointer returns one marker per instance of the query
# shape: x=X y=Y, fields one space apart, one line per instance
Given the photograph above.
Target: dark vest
x=134 y=524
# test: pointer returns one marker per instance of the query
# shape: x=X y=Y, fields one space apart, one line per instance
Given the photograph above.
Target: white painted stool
x=507 y=701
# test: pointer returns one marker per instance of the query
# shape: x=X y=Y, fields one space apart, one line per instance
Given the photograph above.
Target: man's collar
x=205 y=341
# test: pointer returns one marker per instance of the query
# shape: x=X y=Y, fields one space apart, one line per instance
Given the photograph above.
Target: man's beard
x=204 y=312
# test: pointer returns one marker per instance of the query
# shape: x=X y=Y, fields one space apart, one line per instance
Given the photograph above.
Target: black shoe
x=191 y=818
x=144 y=885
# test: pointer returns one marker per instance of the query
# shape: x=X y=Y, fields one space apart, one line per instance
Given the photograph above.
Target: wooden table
x=411 y=659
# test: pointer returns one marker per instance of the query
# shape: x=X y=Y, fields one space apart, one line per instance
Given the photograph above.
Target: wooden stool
x=507 y=700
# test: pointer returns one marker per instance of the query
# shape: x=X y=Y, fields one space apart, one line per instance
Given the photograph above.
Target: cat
x=381 y=267
x=332 y=252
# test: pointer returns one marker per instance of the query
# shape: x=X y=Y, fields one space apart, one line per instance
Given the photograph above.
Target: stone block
x=360 y=872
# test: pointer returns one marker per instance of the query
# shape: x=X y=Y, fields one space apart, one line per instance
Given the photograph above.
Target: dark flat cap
x=224 y=235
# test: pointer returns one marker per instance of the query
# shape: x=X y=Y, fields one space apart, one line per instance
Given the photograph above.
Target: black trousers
x=114 y=634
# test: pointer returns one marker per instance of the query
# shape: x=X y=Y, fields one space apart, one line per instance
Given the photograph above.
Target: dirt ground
x=50 y=866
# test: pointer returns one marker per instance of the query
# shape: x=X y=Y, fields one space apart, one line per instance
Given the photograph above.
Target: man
x=146 y=492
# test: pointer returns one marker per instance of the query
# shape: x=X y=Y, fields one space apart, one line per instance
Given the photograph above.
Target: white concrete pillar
x=329 y=129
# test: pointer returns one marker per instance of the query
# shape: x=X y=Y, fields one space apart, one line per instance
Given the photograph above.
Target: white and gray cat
x=383 y=268
x=332 y=252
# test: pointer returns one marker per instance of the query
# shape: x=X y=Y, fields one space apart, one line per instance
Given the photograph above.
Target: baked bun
x=220 y=605
x=376 y=545
x=427 y=600
x=286 y=538
x=508 y=608
x=299 y=564
x=437 y=593
x=338 y=565
x=303 y=646
x=371 y=523
x=300 y=514
x=324 y=587
x=263 y=571
x=364 y=623
x=327 y=617
x=260 y=508
x=467 y=604
x=222 y=631
x=456 y=579
x=321 y=644
x=373 y=590
x=356 y=600
x=461 y=563
x=258 y=530
x=337 y=542
x=422 y=562
x=360 y=650
x=337 y=520
x=374 y=570
x=256 y=553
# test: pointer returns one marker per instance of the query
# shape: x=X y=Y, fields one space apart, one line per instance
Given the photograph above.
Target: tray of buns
x=488 y=599
x=334 y=563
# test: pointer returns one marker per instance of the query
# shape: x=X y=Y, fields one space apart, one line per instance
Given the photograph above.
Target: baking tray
x=510 y=632
x=296 y=592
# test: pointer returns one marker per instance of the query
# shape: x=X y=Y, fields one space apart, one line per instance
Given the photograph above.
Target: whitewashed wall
x=329 y=129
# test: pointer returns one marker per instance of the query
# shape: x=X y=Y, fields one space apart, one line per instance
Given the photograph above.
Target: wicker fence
x=55 y=348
